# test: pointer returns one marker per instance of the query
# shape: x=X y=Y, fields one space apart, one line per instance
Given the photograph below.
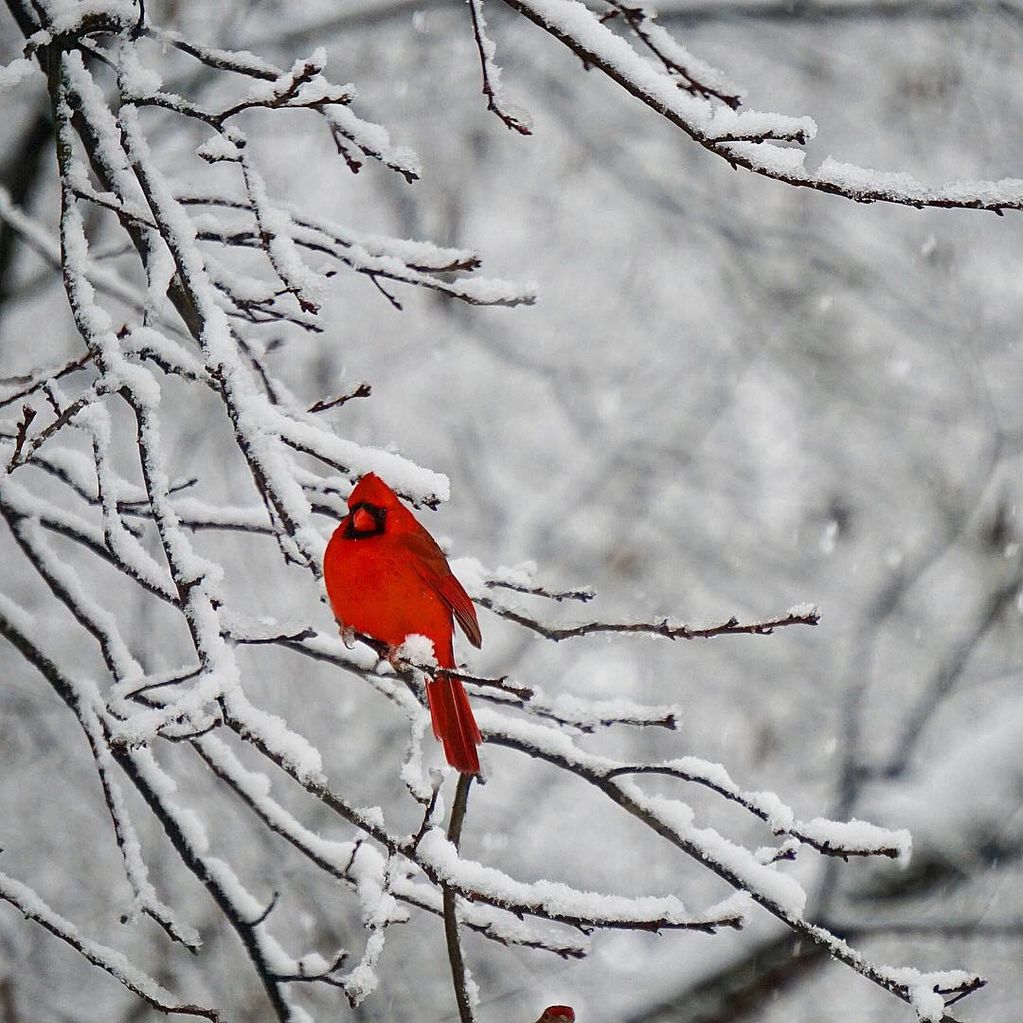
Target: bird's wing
x=433 y=569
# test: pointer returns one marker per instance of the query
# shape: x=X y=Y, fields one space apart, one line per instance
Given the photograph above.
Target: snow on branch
x=833 y=838
x=182 y=826
x=695 y=98
x=302 y=88
x=125 y=972
x=586 y=715
x=403 y=261
x=146 y=898
x=587 y=911
x=239 y=62
x=515 y=119
x=583 y=714
x=34 y=382
x=552 y=901
x=693 y=74
x=16 y=633
x=361 y=868
x=780 y=895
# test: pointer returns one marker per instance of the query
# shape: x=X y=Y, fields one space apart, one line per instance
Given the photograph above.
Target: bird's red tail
x=454 y=724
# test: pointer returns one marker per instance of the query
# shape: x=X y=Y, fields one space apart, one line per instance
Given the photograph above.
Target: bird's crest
x=371 y=489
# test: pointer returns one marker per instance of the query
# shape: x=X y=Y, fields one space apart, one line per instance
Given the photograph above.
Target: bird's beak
x=363 y=521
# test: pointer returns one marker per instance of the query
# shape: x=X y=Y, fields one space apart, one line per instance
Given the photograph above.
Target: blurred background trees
x=732 y=396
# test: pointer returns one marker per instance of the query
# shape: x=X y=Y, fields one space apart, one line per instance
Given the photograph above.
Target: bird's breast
x=374 y=587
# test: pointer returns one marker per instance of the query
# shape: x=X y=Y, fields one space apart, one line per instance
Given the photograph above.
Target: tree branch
x=598 y=47
x=459 y=974
x=667 y=628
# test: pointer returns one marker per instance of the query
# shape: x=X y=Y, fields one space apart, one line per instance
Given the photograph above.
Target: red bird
x=387 y=578
x=557 y=1014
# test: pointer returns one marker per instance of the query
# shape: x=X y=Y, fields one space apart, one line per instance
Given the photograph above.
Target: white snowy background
x=731 y=397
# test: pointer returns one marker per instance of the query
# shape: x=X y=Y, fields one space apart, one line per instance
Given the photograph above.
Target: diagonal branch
x=115 y=963
x=744 y=139
x=693 y=75
x=779 y=895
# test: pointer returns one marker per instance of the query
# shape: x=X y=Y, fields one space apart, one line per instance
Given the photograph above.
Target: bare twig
x=361 y=391
x=33 y=382
x=666 y=627
x=582 y=595
x=27 y=415
x=459 y=975
x=949 y=671
x=25 y=449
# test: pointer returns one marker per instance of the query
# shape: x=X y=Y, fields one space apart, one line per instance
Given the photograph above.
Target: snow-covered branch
x=711 y=115
x=515 y=119
x=32 y=907
x=928 y=993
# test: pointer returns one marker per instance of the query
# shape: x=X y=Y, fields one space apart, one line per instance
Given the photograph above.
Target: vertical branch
x=458 y=973
x=515 y=120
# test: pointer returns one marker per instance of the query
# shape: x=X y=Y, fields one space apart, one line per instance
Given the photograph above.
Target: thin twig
x=24 y=450
x=40 y=378
x=491 y=72
x=361 y=391
x=107 y=959
x=458 y=969
x=949 y=671
x=666 y=628
x=27 y=415
x=583 y=594
x=805 y=835
x=642 y=24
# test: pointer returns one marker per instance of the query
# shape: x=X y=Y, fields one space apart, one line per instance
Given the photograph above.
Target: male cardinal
x=386 y=577
x=557 y=1014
